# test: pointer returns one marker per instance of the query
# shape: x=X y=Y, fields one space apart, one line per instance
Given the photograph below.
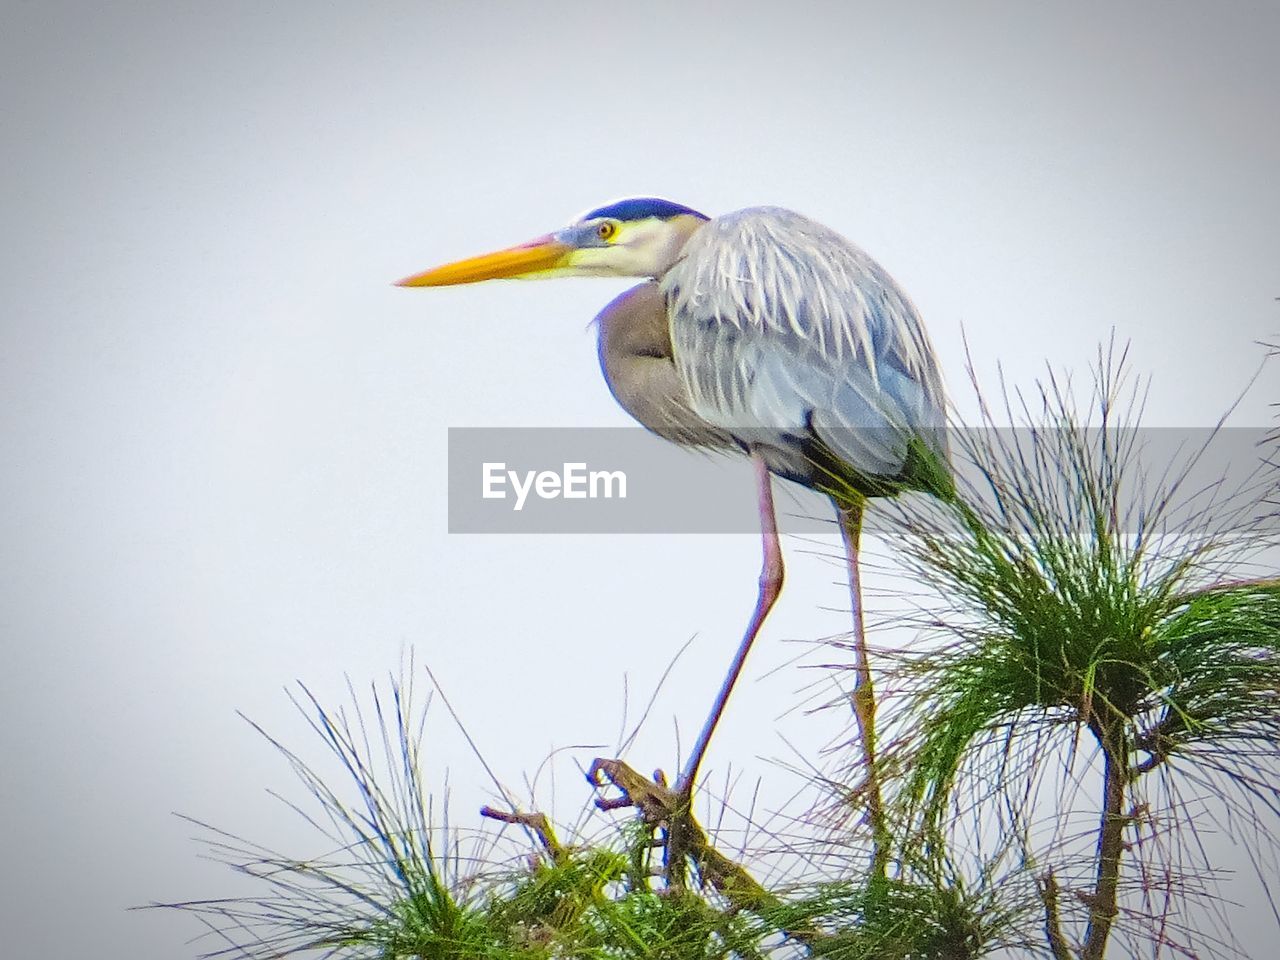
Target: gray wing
x=782 y=329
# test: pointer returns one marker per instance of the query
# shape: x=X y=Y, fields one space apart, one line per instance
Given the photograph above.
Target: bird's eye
x=606 y=229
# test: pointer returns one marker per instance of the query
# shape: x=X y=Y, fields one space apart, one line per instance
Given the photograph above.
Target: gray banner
x=547 y=480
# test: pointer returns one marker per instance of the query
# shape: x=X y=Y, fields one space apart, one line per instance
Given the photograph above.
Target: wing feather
x=783 y=330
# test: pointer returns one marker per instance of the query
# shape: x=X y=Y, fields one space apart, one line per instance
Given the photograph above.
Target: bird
x=764 y=332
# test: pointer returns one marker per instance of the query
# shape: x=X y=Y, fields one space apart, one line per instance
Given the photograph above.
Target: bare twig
x=537 y=822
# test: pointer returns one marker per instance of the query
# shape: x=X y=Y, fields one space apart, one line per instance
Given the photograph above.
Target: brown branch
x=537 y=822
x=1048 y=887
x=1116 y=775
x=1159 y=740
x=1149 y=764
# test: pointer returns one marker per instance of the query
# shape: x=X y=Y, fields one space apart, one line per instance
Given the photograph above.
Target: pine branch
x=1048 y=888
x=1116 y=775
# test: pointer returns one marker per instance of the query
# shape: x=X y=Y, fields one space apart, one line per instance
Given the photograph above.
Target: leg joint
x=772 y=575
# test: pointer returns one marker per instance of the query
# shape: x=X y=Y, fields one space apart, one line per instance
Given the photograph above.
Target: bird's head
x=640 y=237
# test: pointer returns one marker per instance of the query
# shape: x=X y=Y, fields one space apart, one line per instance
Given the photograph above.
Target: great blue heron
x=763 y=331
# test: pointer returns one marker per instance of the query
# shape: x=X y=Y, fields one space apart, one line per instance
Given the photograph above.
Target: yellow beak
x=536 y=256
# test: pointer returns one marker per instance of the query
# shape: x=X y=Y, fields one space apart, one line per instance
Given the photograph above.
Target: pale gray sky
x=224 y=431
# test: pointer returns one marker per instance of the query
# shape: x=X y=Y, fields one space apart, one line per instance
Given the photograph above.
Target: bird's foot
x=684 y=843
x=657 y=804
x=661 y=809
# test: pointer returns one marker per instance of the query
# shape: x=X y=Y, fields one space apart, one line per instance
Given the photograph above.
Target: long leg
x=864 y=697
x=771 y=573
